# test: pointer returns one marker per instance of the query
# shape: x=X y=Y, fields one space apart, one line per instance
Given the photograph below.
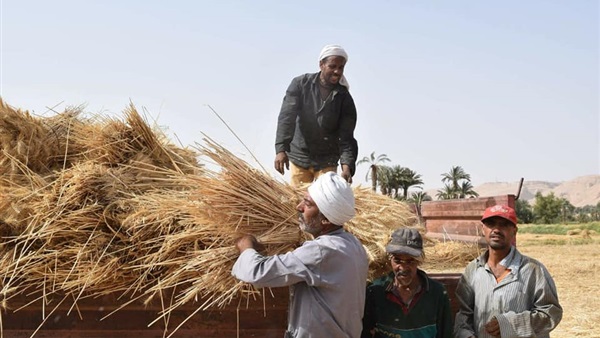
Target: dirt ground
x=575 y=269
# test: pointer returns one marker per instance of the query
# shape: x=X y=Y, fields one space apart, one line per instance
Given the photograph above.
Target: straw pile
x=96 y=206
x=450 y=255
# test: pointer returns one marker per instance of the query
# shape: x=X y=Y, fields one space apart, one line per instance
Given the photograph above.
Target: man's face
x=332 y=69
x=499 y=232
x=405 y=268
x=309 y=216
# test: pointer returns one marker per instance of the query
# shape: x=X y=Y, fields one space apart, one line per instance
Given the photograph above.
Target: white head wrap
x=334 y=198
x=335 y=50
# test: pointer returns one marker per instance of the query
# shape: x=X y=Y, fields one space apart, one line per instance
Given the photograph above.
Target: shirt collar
x=505 y=262
x=511 y=261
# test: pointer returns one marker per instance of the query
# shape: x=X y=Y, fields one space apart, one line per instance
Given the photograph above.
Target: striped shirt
x=524 y=302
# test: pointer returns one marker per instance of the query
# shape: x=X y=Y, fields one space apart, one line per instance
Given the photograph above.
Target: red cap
x=500 y=211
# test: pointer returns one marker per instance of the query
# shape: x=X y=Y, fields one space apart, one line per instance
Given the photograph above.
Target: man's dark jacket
x=313 y=132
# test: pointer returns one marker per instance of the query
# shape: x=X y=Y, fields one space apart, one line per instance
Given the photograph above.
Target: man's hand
x=493 y=327
x=281 y=161
x=248 y=242
x=347 y=173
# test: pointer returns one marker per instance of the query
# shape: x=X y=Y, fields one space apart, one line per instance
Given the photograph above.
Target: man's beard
x=313 y=228
x=403 y=278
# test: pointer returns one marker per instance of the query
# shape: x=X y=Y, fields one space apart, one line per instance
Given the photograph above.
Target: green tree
x=466 y=190
x=374 y=163
x=408 y=179
x=446 y=193
x=595 y=212
x=524 y=211
x=454 y=176
x=418 y=197
x=397 y=175
x=385 y=180
x=547 y=209
x=587 y=213
x=583 y=214
x=457 y=184
x=567 y=210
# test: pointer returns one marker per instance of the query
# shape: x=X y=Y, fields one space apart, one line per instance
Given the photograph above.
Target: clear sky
x=505 y=89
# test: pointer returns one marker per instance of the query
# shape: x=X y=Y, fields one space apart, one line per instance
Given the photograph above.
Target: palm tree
x=446 y=193
x=385 y=180
x=418 y=198
x=397 y=174
x=374 y=164
x=456 y=174
x=466 y=190
x=408 y=179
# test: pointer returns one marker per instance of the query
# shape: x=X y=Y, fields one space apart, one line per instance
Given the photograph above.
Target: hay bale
x=585 y=233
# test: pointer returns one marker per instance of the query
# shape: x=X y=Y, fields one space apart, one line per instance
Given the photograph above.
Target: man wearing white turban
x=326 y=276
x=315 y=128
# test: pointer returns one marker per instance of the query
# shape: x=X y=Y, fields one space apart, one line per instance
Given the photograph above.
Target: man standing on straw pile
x=406 y=302
x=316 y=123
x=504 y=293
x=327 y=276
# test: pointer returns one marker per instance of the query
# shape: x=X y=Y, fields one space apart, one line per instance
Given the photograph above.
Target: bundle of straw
x=127 y=212
x=25 y=144
x=448 y=255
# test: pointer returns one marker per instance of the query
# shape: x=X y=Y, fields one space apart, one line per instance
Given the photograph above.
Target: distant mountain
x=581 y=191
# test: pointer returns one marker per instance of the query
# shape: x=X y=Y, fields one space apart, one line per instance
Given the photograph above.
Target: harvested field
x=574 y=267
x=575 y=271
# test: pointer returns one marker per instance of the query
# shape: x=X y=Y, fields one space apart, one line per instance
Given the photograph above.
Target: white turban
x=334 y=197
x=335 y=50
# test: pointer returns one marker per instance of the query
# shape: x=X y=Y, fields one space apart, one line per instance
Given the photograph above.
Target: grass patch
x=558 y=229
x=543 y=229
x=566 y=241
x=559 y=234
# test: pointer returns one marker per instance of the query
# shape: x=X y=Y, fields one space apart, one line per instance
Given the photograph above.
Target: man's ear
x=325 y=221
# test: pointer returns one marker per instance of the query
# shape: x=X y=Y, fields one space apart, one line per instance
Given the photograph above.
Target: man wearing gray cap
x=327 y=276
x=315 y=128
x=406 y=302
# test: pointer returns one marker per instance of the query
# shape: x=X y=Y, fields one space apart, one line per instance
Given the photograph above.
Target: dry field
x=575 y=270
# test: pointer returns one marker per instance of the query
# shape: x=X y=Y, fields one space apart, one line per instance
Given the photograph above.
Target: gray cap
x=406 y=241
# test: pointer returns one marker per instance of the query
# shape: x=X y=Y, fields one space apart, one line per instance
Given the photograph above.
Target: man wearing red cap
x=504 y=293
